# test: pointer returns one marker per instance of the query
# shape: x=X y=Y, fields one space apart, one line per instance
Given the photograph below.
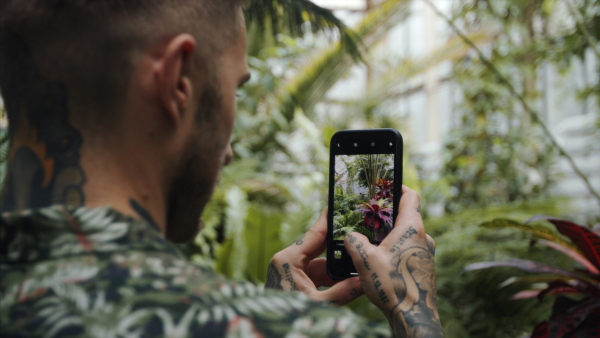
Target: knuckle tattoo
x=351 y=239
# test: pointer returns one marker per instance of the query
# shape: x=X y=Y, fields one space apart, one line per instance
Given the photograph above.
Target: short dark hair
x=90 y=45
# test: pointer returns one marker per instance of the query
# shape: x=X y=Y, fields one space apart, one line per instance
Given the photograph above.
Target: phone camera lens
x=372 y=144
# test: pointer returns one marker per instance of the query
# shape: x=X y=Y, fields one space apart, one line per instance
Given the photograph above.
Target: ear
x=172 y=75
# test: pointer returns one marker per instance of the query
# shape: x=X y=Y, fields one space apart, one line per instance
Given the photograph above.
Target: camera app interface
x=363 y=196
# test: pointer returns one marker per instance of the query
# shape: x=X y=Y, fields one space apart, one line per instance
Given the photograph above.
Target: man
x=120 y=116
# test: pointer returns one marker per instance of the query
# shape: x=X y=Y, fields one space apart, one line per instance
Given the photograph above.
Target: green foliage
x=494 y=152
x=573 y=317
x=538 y=230
x=498 y=153
x=281 y=158
x=296 y=17
x=373 y=167
x=473 y=304
x=345 y=217
x=330 y=65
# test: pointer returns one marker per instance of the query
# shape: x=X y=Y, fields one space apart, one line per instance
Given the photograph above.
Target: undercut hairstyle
x=90 y=46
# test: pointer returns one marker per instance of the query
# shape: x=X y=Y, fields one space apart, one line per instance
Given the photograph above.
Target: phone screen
x=365 y=180
x=364 y=196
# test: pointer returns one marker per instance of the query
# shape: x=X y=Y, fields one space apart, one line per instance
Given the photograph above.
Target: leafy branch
x=532 y=113
x=585 y=32
x=292 y=16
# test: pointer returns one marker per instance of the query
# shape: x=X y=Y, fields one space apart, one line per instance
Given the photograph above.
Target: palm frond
x=315 y=80
x=298 y=17
x=388 y=86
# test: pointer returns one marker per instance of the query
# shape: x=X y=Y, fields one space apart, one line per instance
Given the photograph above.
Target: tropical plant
x=470 y=304
x=297 y=17
x=345 y=220
x=502 y=148
x=570 y=317
x=371 y=168
x=385 y=189
x=377 y=216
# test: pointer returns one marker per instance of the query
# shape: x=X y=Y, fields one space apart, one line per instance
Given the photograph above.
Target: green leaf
x=584 y=239
x=292 y=16
x=529 y=280
x=535 y=229
x=261 y=236
x=525 y=265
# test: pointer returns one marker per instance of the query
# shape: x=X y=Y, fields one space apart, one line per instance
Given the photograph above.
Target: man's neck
x=43 y=167
x=51 y=161
x=126 y=180
x=39 y=176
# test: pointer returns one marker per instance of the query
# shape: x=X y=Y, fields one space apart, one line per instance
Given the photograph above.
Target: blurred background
x=499 y=106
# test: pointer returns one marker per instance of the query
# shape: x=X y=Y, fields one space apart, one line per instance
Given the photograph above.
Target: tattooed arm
x=297 y=268
x=398 y=276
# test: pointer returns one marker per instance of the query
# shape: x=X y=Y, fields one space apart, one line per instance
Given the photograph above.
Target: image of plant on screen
x=364 y=194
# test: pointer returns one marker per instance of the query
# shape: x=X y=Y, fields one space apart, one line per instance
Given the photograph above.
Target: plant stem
x=534 y=116
x=586 y=33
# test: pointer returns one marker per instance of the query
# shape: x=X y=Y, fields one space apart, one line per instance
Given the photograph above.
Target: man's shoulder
x=95 y=273
x=154 y=293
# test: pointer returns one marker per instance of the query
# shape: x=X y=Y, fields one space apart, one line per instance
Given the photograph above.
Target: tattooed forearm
x=426 y=327
x=289 y=278
x=408 y=234
x=414 y=275
x=273 y=278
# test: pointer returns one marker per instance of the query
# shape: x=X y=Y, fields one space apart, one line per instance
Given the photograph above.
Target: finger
x=341 y=293
x=312 y=244
x=409 y=221
x=372 y=267
x=410 y=206
x=430 y=244
x=359 y=248
x=317 y=272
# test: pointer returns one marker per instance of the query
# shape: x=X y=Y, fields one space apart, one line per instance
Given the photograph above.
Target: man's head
x=146 y=84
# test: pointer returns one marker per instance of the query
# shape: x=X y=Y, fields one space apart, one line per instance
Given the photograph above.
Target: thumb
x=359 y=248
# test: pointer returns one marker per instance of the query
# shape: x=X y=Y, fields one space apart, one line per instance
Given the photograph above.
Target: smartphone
x=365 y=181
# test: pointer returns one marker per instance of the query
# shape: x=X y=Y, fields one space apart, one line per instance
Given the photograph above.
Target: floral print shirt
x=97 y=273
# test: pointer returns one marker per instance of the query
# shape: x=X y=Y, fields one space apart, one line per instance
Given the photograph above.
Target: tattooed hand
x=398 y=276
x=297 y=268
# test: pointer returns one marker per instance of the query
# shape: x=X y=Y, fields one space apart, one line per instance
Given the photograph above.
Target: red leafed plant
x=385 y=189
x=377 y=216
x=579 y=317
